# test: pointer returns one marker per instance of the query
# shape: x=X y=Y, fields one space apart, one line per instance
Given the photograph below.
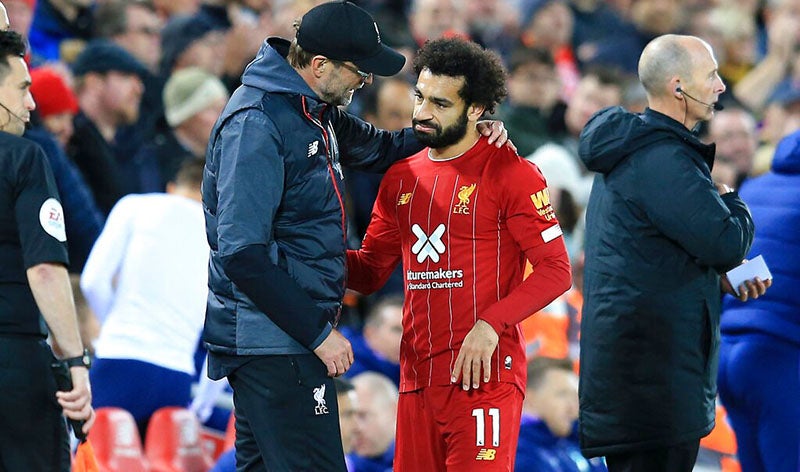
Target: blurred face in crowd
x=60 y=126
x=206 y=53
x=168 y=8
x=142 y=38
x=734 y=132
x=552 y=25
x=535 y=85
x=430 y=19
x=383 y=335
x=555 y=401
x=590 y=96
x=375 y=422
x=15 y=94
x=121 y=93
x=656 y=16
x=395 y=105
x=348 y=410
x=198 y=127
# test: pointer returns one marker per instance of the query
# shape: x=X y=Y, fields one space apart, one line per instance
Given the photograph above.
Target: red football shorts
x=444 y=428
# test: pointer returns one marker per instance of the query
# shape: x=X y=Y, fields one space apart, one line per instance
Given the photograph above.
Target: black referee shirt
x=31 y=230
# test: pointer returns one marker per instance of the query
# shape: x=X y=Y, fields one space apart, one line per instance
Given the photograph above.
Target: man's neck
x=198 y=149
x=456 y=150
x=103 y=123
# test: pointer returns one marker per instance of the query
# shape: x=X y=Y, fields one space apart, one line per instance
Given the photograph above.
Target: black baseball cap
x=102 y=56
x=342 y=31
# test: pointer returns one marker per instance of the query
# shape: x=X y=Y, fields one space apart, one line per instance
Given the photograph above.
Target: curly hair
x=484 y=76
x=11 y=44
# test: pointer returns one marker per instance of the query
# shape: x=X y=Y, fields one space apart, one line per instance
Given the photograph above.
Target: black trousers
x=287 y=417
x=678 y=458
x=33 y=434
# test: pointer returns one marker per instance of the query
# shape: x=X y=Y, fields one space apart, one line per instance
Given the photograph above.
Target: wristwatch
x=84 y=360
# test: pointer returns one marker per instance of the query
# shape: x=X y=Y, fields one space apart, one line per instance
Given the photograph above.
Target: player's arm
x=369 y=268
x=532 y=223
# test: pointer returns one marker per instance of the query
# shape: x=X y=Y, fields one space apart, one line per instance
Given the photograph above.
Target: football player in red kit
x=463 y=217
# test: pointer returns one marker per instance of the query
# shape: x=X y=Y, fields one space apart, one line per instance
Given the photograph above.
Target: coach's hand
x=475 y=355
x=336 y=353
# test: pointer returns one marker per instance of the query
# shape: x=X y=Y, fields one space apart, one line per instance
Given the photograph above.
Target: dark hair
x=484 y=76
x=111 y=17
x=11 y=44
x=522 y=56
x=190 y=173
x=540 y=365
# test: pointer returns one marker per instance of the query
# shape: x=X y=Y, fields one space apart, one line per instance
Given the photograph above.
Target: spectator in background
x=550 y=25
x=756 y=88
x=659 y=233
x=146 y=282
x=734 y=132
x=136 y=27
x=434 y=19
x=548 y=436
x=376 y=419
x=193 y=100
x=781 y=118
x=56 y=104
x=377 y=349
x=193 y=40
x=737 y=31
x=760 y=352
x=56 y=109
x=109 y=89
x=57 y=21
x=533 y=92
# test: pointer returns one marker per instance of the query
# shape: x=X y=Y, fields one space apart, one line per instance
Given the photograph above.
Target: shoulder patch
x=51 y=217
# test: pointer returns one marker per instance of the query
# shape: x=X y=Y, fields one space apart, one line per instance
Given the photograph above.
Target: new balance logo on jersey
x=428 y=246
x=486 y=454
x=319 y=396
x=404 y=199
x=313 y=148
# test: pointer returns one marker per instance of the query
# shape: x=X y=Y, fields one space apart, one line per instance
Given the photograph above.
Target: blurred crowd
x=127 y=92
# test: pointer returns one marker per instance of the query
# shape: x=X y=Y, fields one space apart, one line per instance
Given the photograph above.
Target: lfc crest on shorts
x=319 y=396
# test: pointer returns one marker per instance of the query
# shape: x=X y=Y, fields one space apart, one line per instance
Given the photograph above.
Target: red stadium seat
x=173 y=444
x=115 y=440
x=230 y=432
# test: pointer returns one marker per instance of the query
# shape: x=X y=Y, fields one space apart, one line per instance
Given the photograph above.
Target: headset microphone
x=713 y=106
x=13 y=114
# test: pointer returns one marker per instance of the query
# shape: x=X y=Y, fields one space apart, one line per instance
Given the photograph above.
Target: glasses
x=364 y=75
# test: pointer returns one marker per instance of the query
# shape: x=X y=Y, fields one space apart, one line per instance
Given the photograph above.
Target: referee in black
x=35 y=292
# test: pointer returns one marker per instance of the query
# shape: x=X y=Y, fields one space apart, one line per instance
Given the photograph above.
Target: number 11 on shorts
x=480 y=426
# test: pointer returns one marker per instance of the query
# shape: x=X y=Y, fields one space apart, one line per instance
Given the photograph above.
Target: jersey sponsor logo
x=486 y=454
x=313 y=148
x=404 y=199
x=428 y=246
x=51 y=217
x=435 y=279
x=319 y=396
x=541 y=200
x=462 y=207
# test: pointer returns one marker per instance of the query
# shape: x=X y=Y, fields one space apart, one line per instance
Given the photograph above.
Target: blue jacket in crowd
x=540 y=450
x=273 y=194
x=774 y=199
x=367 y=360
x=658 y=234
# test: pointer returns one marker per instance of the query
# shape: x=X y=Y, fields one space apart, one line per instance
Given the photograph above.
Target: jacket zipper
x=325 y=140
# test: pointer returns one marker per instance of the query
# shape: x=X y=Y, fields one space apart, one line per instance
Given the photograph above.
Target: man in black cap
x=109 y=89
x=275 y=220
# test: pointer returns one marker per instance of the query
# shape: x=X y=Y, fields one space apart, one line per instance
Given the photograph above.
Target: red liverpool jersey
x=463 y=229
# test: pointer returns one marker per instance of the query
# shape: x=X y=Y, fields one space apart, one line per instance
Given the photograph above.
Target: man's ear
x=475 y=112
x=319 y=64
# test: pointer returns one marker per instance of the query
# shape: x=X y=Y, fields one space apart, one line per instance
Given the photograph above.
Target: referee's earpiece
x=678 y=89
